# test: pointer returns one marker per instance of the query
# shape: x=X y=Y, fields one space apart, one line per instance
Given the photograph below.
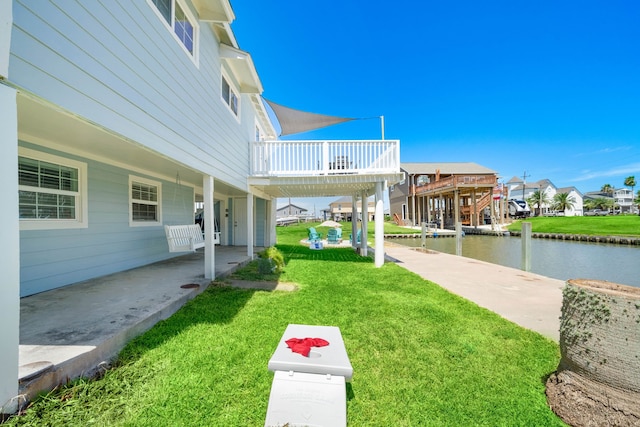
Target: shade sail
x=295 y=121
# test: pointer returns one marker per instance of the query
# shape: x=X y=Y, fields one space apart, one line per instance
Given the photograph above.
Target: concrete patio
x=76 y=330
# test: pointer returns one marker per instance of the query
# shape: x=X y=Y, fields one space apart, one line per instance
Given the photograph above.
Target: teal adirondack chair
x=358 y=235
x=332 y=236
x=314 y=236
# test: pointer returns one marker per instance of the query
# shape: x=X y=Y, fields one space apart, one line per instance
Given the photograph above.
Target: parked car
x=596 y=212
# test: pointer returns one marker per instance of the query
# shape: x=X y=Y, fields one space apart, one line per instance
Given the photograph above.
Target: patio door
x=240 y=222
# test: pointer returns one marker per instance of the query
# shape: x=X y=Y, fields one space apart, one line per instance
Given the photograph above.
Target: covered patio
x=68 y=332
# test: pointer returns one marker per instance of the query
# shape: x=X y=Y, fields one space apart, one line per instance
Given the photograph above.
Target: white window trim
x=195 y=57
x=82 y=206
x=132 y=223
x=236 y=92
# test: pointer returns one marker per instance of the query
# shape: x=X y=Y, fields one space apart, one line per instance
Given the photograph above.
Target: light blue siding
x=260 y=206
x=54 y=258
x=115 y=63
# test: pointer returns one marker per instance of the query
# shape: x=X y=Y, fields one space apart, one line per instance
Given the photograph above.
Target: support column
x=456 y=207
x=476 y=220
x=209 y=228
x=354 y=220
x=364 y=207
x=271 y=223
x=250 y=225
x=10 y=260
x=379 y=226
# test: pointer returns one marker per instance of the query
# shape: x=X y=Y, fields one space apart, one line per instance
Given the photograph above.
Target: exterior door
x=240 y=222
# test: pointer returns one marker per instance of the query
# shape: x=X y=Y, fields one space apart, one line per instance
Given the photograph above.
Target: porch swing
x=187 y=238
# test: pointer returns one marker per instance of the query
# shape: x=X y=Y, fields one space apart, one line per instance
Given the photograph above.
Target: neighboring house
x=290 y=210
x=342 y=209
x=116 y=119
x=523 y=191
x=624 y=199
x=578 y=202
x=429 y=192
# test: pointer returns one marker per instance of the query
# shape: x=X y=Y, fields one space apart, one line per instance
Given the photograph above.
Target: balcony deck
x=323 y=168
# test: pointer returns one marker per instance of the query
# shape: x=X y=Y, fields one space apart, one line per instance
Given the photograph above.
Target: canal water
x=559 y=259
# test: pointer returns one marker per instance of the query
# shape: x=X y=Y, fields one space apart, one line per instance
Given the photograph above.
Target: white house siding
x=58 y=257
x=115 y=63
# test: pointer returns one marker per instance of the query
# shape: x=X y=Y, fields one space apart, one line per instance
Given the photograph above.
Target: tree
x=601 y=203
x=539 y=199
x=630 y=181
x=607 y=189
x=563 y=202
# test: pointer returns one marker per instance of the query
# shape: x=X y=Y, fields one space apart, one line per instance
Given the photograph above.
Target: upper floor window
x=229 y=96
x=144 y=202
x=180 y=20
x=51 y=190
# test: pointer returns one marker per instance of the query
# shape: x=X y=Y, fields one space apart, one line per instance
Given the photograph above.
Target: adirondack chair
x=314 y=236
x=358 y=235
x=332 y=236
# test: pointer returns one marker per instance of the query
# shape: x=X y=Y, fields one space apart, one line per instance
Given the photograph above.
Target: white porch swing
x=189 y=237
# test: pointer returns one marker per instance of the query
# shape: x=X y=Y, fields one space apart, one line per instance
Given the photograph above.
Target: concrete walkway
x=527 y=299
x=72 y=331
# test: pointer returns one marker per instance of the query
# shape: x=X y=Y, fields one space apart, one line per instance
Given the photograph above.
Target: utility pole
x=524 y=182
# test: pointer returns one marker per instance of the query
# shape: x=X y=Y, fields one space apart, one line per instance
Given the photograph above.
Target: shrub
x=275 y=257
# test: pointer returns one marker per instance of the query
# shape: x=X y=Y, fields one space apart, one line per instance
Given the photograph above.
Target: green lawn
x=421 y=356
x=614 y=225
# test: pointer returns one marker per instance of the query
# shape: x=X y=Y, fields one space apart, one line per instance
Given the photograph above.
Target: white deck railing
x=311 y=158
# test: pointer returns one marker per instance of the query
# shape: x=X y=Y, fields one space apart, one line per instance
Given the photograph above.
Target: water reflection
x=559 y=259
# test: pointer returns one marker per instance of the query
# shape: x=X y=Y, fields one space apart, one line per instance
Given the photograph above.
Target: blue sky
x=547 y=87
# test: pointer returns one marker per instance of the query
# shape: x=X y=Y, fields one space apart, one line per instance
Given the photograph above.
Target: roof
x=568 y=190
x=348 y=199
x=291 y=205
x=446 y=168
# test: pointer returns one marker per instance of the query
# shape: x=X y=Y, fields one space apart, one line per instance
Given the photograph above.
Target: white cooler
x=309 y=391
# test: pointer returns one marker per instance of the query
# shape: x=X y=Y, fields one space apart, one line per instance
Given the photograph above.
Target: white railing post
x=325 y=158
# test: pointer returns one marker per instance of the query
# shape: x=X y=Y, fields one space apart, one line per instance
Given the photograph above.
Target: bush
x=275 y=258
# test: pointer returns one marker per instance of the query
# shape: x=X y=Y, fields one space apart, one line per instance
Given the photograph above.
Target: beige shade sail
x=295 y=121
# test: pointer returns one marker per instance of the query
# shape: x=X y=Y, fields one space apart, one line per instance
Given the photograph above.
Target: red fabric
x=303 y=345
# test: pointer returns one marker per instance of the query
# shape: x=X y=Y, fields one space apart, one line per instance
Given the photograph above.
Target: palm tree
x=607 y=189
x=630 y=181
x=538 y=198
x=602 y=203
x=563 y=202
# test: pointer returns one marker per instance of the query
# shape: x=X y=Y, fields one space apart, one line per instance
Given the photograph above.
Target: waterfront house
x=444 y=193
x=342 y=209
x=521 y=190
x=122 y=117
x=624 y=200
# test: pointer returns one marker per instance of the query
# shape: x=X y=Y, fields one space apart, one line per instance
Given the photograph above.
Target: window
x=229 y=96
x=144 y=202
x=51 y=191
x=179 y=19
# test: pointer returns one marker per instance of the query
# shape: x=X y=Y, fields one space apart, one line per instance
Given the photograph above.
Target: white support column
x=250 y=225
x=271 y=223
x=379 y=226
x=10 y=260
x=209 y=228
x=364 y=207
x=354 y=220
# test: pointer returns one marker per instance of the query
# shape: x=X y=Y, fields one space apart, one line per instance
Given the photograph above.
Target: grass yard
x=421 y=356
x=613 y=225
